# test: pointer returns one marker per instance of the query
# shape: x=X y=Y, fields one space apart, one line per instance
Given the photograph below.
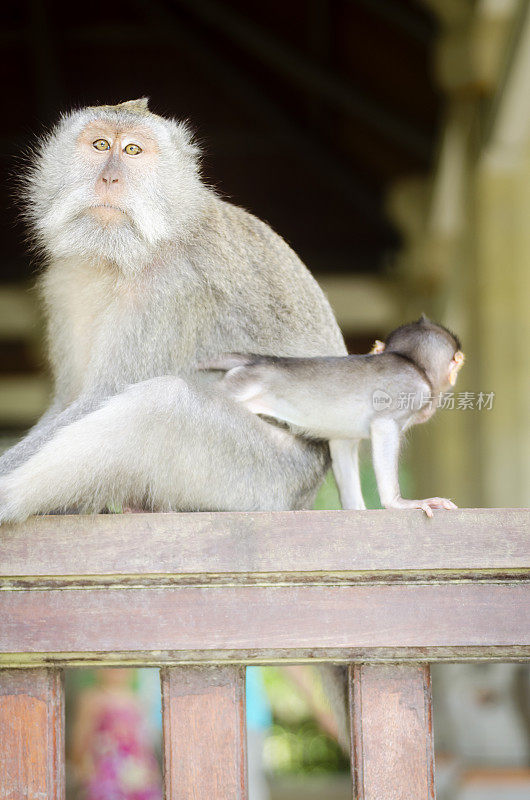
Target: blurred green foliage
x=328 y=496
x=295 y=743
x=302 y=749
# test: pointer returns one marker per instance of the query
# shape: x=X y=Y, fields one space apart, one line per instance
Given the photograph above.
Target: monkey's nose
x=109 y=178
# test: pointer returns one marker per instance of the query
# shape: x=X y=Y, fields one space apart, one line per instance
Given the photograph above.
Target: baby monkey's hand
x=426 y=505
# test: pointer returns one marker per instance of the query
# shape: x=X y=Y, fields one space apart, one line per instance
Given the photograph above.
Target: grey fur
x=131 y=310
x=345 y=399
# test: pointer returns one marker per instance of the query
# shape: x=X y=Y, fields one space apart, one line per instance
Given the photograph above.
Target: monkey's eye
x=101 y=144
x=132 y=149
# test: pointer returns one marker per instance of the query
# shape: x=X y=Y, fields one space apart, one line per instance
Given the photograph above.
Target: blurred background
x=388 y=141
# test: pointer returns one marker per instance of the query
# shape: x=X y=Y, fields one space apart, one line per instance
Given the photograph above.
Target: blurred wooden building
x=387 y=140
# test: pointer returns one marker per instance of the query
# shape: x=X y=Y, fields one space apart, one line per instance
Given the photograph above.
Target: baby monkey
x=344 y=399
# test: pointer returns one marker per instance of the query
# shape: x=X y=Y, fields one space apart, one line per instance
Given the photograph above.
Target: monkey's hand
x=426 y=505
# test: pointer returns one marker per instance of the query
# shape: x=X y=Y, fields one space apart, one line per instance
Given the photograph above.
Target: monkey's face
x=121 y=161
x=114 y=183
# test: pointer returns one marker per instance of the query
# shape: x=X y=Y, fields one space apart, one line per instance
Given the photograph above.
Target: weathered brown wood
x=204 y=733
x=391 y=732
x=300 y=542
x=281 y=619
x=266 y=587
x=31 y=735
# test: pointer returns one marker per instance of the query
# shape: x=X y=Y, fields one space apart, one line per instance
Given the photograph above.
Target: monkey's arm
x=385 y=452
x=345 y=462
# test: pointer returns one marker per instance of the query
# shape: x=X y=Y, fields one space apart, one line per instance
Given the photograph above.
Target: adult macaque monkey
x=148 y=273
x=348 y=398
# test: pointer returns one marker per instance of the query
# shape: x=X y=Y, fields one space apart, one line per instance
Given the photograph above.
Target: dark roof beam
x=415 y=24
x=309 y=76
x=42 y=54
x=359 y=195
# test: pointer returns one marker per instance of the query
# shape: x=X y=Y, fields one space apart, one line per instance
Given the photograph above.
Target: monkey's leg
x=52 y=420
x=385 y=451
x=164 y=444
x=345 y=462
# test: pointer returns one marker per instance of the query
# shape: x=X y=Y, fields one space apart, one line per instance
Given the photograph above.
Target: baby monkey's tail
x=228 y=361
x=241 y=381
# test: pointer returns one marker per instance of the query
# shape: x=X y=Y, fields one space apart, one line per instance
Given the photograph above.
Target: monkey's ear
x=455 y=365
x=140 y=106
x=377 y=348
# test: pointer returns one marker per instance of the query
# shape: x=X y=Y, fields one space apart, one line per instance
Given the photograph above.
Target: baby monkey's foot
x=426 y=505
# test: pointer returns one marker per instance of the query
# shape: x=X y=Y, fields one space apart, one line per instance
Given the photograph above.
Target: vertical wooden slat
x=31 y=734
x=391 y=732
x=204 y=733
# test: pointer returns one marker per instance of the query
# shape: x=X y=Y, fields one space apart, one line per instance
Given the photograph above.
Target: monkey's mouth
x=107 y=213
x=107 y=207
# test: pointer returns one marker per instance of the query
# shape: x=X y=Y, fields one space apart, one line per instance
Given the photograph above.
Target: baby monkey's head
x=431 y=346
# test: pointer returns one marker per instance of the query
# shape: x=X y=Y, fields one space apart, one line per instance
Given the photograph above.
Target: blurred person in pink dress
x=113 y=747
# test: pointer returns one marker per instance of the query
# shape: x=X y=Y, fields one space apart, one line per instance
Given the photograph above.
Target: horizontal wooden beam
x=284 y=622
x=19 y=313
x=293 y=546
x=266 y=587
x=23 y=398
x=268 y=657
x=362 y=304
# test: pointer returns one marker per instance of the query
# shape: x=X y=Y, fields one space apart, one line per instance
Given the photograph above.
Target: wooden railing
x=202 y=595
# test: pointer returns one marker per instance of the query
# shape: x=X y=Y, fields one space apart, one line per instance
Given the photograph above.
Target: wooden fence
x=202 y=595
